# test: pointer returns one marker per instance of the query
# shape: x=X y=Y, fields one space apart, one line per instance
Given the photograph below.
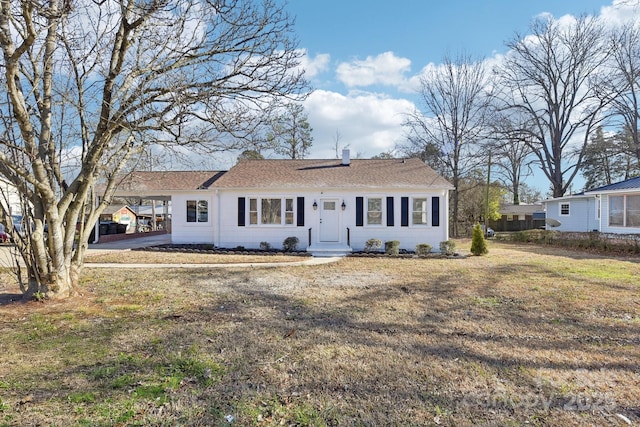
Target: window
x=253 y=211
x=288 y=216
x=509 y=217
x=564 y=209
x=624 y=211
x=632 y=211
x=522 y=217
x=271 y=211
x=616 y=211
x=197 y=211
x=374 y=211
x=419 y=212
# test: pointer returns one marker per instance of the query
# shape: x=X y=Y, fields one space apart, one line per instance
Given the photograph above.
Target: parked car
x=490 y=232
x=3 y=235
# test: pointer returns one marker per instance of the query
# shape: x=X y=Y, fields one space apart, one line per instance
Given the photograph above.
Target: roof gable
x=308 y=173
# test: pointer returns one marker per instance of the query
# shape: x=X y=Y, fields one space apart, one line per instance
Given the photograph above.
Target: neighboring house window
x=624 y=211
x=197 y=211
x=632 y=211
x=522 y=217
x=564 y=209
x=419 y=213
x=509 y=217
x=271 y=211
x=374 y=211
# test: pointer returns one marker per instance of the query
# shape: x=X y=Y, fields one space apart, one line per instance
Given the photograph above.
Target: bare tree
x=95 y=82
x=550 y=78
x=290 y=133
x=512 y=152
x=625 y=80
x=449 y=130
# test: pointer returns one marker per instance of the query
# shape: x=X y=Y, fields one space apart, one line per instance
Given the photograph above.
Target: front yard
x=525 y=335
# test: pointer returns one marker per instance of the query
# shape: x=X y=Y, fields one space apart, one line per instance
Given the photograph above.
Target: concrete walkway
x=146 y=241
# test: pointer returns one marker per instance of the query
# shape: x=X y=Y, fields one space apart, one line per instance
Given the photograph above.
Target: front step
x=329 y=251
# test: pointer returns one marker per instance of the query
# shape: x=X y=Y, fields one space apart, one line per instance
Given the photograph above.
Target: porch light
x=315 y=205
x=343 y=205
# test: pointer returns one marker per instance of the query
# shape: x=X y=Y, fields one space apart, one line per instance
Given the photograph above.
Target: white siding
x=183 y=232
x=582 y=214
x=223 y=229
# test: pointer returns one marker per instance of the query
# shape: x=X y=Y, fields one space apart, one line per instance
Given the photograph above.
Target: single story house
x=331 y=206
x=613 y=208
x=519 y=217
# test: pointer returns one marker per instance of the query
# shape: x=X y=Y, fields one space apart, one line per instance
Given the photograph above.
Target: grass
x=524 y=335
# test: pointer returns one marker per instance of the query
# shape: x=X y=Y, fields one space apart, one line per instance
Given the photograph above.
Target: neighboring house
x=613 y=208
x=331 y=206
x=10 y=198
x=123 y=215
x=519 y=217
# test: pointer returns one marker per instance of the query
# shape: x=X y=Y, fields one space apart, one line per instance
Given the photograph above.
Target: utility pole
x=486 y=205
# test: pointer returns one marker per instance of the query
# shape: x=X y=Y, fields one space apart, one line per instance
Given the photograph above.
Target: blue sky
x=364 y=59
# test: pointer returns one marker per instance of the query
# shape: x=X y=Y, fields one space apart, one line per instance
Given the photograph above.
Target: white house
x=9 y=198
x=331 y=206
x=613 y=208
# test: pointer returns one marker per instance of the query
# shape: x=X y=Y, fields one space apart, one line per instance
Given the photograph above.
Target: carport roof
x=140 y=182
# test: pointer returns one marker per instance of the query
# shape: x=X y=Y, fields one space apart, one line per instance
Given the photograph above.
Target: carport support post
x=96 y=226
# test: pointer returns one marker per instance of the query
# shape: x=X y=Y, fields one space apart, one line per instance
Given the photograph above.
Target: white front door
x=329 y=220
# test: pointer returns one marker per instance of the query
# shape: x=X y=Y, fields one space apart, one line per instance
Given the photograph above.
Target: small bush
x=478 y=243
x=392 y=247
x=372 y=245
x=265 y=246
x=423 y=249
x=448 y=247
x=290 y=244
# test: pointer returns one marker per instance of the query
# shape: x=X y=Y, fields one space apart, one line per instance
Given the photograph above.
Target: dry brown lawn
x=525 y=335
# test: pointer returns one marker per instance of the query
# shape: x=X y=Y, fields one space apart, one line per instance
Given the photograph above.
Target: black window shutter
x=300 y=212
x=404 y=212
x=359 y=211
x=435 y=211
x=241 y=211
x=389 y=211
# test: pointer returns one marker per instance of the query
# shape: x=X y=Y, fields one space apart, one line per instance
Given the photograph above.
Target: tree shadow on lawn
x=375 y=353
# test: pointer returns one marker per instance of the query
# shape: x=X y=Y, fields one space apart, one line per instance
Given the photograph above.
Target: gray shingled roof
x=629 y=184
x=154 y=181
x=310 y=173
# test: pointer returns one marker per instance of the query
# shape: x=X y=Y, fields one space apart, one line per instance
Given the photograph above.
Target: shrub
x=448 y=247
x=392 y=247
x=372 y=245
x=265 y=246
x=290 y=244
x=423 y=249
x=478 y=243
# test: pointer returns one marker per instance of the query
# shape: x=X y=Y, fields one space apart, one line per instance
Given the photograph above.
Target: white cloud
x=314 y=65
x=368 y=123
x=386 y=69
x=621 y=11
